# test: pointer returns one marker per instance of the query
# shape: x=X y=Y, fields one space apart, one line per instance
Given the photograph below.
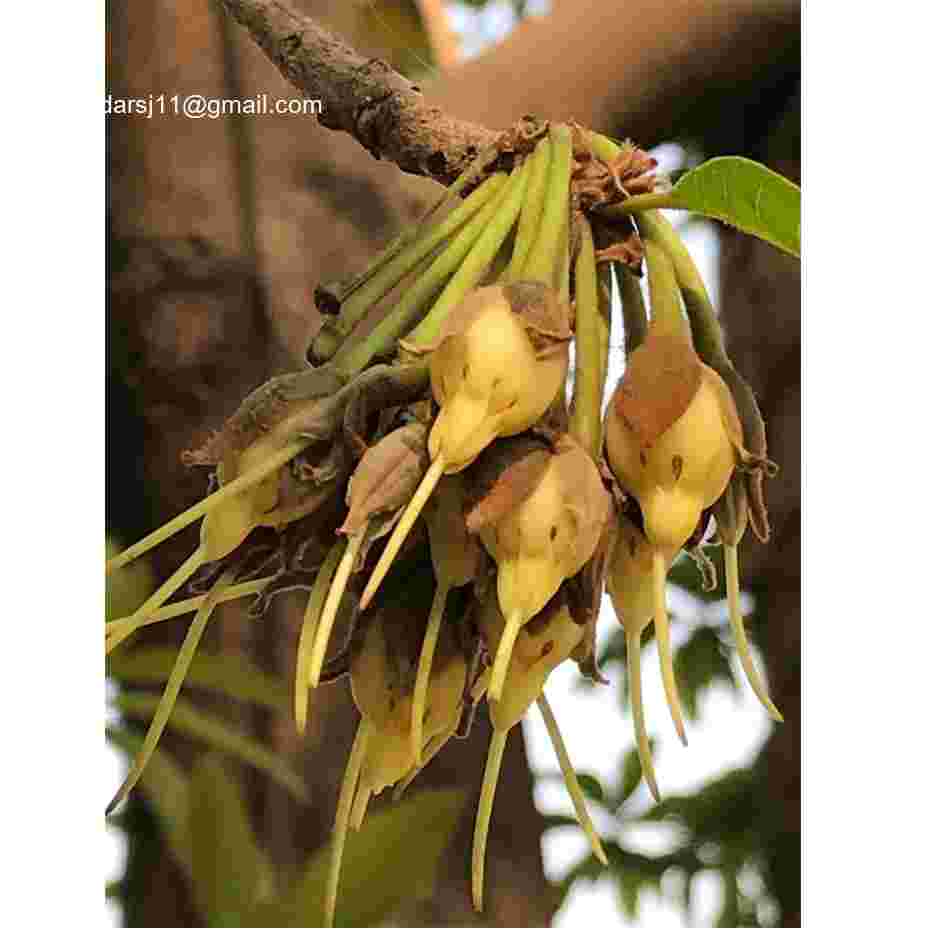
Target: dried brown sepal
x=582 y=149
x=323 y=467
x=455 y=552
x=758 y=512
x=554 y=422
x=584 y=594
x=379 y=526
x=592 y=182
x=305 y=543
x=382 y=388
x=625 y=249
x=588 y=500
x=301 y=549
x=503 y=477
x=485 y=581
x=307 y=486
x=385 y=647
x=604 y=182
x=250 y=560
x=547 y=319
x=585 y=656
x=755 y=465
x=380 y=667
x=310 y=404
x=318 y=464
x=386 y=477
x=585 y=591
x=278 y=400
x=632 y=171
x=705 y=566
x=662 y=377
x=523 y=136
x=732 y=511
x=385 y=652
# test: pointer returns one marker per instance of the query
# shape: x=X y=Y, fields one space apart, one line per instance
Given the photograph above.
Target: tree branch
x=364 y=97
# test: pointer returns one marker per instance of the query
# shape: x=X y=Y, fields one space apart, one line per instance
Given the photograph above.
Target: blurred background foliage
x=191 y=829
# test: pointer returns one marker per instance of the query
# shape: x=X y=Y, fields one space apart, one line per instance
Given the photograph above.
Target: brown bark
x=361 y=95
x=761 y=295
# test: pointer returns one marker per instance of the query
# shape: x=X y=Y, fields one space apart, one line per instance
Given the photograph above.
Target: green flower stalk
x=172 y=689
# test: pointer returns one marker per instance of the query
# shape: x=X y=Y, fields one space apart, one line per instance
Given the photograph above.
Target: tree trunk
x=761 y=295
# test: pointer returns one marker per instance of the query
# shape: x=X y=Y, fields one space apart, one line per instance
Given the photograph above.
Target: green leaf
x=590 y=785
x=730 y=915
x=744 y=194
x=193 y=722
x=727 y=810
x=231 y=875
x=629 y=883
x=392 y=861
x=700 y=662
x=231 y=675
x=168 y=789
x=588 y=869
x=633 y=872
x=554 y=821
x=631 y=773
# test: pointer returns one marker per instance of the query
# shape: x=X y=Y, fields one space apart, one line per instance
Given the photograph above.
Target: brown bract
x=386 y=646
x=301 y=394
x=310 y=404
x=732 y=512
x=456 y=553
x=632 y=171
x=523 y=136
x=503 y=477
x=626 y=248
x=754 y=461
x=598 y=183
x=386 y=476
x=588 y=499
x=662 y=377
x=547 y=320
x=584 y=594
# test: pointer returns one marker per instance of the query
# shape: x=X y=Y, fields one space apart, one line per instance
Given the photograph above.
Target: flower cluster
x=466 y=515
